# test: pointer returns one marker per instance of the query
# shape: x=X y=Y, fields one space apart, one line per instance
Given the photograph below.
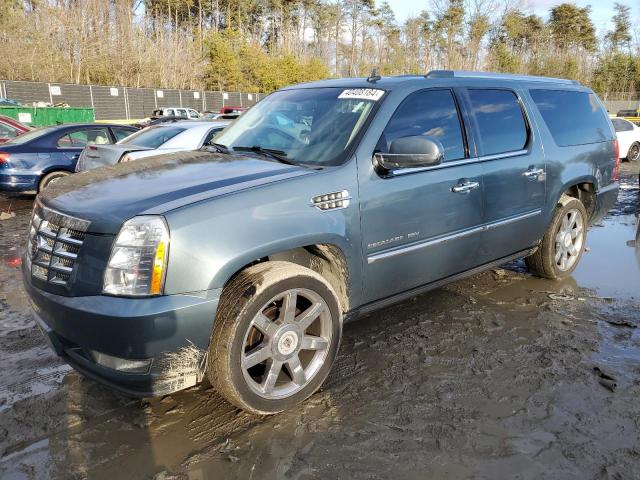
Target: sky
x=601 y=10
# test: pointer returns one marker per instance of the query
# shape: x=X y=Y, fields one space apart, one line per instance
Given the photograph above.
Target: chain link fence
x=120 y=103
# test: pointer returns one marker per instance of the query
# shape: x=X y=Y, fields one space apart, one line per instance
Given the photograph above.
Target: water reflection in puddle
x=612 y=265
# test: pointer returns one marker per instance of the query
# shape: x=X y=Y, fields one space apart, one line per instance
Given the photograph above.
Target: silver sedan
x=155 y=140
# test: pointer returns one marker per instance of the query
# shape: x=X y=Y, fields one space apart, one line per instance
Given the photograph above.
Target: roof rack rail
x=496 y=76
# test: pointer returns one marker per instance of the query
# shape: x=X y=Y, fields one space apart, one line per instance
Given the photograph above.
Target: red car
x=11 y=128
x=229 y=109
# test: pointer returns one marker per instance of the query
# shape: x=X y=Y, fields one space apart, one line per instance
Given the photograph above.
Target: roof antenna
x=374 y=77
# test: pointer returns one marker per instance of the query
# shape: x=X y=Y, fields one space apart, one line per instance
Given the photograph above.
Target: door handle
x=465 y=187
x=533 y=172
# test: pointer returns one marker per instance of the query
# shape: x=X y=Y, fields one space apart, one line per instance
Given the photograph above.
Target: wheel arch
x=49 y=171
x=326 y=258
x=584 y=189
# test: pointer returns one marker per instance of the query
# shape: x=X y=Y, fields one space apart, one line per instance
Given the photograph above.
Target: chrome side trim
x=455 y=163
x=376 y=257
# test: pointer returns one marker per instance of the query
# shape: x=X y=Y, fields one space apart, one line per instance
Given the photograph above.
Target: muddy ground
x=497 y=376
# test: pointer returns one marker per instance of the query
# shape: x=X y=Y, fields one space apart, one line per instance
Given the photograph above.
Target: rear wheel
x=634 y=152
x=563 y=243
x=275 y=337
x=51 y=177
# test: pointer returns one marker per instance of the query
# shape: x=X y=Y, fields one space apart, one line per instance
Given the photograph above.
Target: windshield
x=152 y=137
x=28 y=136
x=312 y=126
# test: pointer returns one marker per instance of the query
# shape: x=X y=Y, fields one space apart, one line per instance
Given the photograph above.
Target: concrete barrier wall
x=119 y=103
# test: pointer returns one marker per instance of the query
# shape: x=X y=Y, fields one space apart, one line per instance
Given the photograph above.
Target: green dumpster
x=43 y=116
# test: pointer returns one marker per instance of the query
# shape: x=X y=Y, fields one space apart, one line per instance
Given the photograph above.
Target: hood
x=111 y=195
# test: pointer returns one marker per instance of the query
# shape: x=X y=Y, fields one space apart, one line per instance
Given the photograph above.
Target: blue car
x=31 y=161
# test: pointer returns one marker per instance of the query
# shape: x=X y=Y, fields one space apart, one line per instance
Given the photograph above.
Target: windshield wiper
x=278 y=155
x=220 y=148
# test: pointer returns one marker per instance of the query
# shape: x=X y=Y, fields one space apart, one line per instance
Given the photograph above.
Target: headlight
x=138 y=261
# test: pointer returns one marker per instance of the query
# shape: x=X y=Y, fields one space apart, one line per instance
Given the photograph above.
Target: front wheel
x=275 y=337
x=563 y=243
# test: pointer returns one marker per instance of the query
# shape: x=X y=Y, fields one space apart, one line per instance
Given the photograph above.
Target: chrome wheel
x=286 y=343
x=634 y=152
x=569 y=240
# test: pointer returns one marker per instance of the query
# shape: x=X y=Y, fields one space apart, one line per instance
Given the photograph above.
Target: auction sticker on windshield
x=362 y=93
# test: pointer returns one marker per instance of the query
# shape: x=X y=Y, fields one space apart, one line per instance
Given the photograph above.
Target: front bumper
x=173 y=331
x=606 y=198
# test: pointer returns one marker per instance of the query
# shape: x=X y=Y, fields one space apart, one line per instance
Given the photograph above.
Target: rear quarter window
x=153 y=137
x=621 y=125
x=573 y=118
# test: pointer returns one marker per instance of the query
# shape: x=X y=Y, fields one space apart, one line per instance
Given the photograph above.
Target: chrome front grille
x=54 y=242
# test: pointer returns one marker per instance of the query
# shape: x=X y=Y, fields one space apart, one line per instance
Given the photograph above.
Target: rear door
x=513 y=171
x=420 y=225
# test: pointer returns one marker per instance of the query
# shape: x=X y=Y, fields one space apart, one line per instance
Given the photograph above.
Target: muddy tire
x=634 y=152
x=275 y=337
x=50 y=177
x=563 y=243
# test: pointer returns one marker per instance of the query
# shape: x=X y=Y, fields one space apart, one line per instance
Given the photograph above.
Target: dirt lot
x=497 y=376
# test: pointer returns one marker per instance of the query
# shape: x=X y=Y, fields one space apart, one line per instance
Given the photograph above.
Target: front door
x=513 y=171
x=420 y=225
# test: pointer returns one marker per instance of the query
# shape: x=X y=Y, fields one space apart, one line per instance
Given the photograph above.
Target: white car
x=177 y=112
x=628 y=134
x=155 y=140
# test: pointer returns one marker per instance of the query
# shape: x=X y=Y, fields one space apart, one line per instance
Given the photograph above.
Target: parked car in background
x=28 y=163
x=240 y=262
x=154 y=140
x=221 y=116
x=628 y=113
x=628 y=134
x=147 y=122
x=228 y=113
x=231 y=109
x=177 y=112
x=10 y=128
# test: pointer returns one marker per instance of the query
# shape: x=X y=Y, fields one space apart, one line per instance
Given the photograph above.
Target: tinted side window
x=501 y=125
x=153 y=137
x=213 y=133
x=82 y=138
x=573 y=118
x=121 y=132
x=621 y=125
x=432 y=114
x=7 y=131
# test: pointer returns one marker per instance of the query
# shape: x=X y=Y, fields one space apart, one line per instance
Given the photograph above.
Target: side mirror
x=410 y=152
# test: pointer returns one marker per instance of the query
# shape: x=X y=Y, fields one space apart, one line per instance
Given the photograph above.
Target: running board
x=399 y=297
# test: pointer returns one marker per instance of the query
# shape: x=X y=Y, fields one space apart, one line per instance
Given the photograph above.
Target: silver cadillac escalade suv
x=240 y=262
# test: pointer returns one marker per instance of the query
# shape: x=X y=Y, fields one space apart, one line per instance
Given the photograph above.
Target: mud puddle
x=611 y=266
x=499 y=375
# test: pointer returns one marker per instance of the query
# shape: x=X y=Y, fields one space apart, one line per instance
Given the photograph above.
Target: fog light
x=121 y=364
